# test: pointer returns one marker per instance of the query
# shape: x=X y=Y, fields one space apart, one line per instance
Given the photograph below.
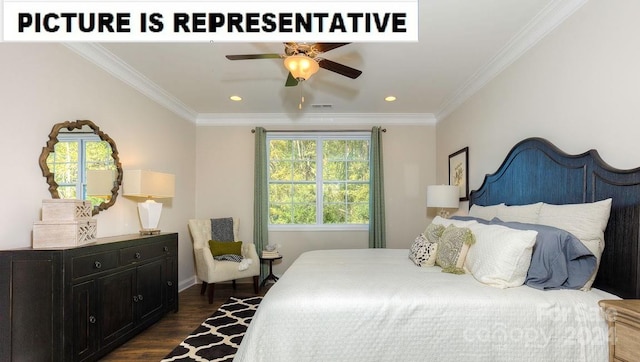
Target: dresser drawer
x=136 y=254
x=94 y=263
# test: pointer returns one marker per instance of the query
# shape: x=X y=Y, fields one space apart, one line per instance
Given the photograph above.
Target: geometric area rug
x=218 y=337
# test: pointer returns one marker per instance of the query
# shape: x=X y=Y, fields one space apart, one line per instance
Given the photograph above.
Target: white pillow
x=520 y=213
x=485 y=212
x=500 y=256
x=458 y=223
x=586 y=221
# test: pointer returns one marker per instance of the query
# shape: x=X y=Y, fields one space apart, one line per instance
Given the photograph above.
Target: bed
x=375 y=304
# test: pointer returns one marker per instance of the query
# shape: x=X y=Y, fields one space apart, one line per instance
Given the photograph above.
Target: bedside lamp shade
x=148 y=184
x=444 y=197
x=100 y=183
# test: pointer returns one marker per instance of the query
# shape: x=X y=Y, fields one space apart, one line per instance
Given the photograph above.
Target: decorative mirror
x=81 y=162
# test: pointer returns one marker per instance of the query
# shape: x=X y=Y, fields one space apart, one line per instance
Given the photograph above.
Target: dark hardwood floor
x=158 y=340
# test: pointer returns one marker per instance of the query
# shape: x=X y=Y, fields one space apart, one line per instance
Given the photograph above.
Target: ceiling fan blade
x=291 y=81
x=339 y=68
x=253 y=56
x=325 y=47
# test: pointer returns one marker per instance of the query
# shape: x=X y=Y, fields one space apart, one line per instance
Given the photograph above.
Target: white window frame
x=318 y=137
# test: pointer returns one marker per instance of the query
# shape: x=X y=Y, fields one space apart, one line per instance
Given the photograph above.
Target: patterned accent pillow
x=433 y=232
x=423 y=252
x=452 y=248
x=229 y=257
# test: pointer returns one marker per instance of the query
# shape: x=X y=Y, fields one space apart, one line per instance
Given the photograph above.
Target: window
x=318 y=179
x=75 y=154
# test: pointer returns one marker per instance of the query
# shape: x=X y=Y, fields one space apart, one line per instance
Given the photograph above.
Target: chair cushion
x=225 y=247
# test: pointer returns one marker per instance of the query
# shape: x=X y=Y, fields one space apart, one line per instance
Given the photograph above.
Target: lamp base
x=149 y=231
x=443 y=213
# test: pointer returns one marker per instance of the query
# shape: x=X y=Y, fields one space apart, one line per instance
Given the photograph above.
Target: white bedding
x=376 y=305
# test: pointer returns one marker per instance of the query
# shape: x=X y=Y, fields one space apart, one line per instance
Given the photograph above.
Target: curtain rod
x=253 y=130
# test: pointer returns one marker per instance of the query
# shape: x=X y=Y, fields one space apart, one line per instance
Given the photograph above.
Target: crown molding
x=314 y=119
x=549 y=18
x=118 y=68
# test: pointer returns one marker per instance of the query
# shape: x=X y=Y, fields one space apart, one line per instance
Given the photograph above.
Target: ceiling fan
x=302 y=61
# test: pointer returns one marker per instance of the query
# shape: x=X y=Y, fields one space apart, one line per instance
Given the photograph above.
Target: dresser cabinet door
x=84 y=320
x=150 y=295
x=116 y=305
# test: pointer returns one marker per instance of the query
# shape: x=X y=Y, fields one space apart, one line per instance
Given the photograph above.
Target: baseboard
x=189 y=282
x=184 y=284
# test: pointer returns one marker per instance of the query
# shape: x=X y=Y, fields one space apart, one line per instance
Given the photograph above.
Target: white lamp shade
x=301 y=66
x=150 y=184
x=443 y=196
x=100 y=182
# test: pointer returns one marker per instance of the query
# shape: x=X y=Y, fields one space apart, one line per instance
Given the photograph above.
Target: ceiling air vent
x=322 y=106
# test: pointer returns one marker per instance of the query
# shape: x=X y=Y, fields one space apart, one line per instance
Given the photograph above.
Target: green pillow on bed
x=225 y=247
x=452 y=248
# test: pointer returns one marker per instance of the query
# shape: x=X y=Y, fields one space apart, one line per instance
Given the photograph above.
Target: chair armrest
x=249 y=251
x=205 y=264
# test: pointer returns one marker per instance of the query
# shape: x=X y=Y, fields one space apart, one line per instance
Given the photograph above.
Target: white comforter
x=376 y=305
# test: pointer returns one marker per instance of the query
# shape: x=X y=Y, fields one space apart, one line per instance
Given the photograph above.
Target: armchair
x=211 y=271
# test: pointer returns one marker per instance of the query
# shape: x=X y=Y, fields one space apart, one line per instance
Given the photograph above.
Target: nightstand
x=623 y=317
x=271 y=276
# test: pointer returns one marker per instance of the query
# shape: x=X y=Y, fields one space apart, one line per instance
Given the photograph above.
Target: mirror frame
x=50 y=148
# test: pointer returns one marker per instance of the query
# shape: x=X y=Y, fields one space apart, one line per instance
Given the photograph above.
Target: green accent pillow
x=452 y=249
x=225 y=247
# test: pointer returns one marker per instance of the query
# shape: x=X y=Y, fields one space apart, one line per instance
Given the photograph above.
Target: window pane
x=357 y=192
x=334 y=192
x=358 y=213
x=280 y=214
x=304 y=150
x=334 y=150
x=304 y=171
x=280 y=149
x=280 y=170
x=279 y=193
x=358 y=150
x=334 y=214
x=358 y=171
x=305 y=193
x=67 y=192
x=304 y=213
x=334 y=171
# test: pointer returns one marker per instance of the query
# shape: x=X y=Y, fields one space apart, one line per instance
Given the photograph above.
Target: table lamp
x=444 y=197
x=150 y=185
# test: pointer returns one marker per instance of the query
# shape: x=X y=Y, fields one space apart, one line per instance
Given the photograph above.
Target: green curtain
x=260 y=198
x=377 y=229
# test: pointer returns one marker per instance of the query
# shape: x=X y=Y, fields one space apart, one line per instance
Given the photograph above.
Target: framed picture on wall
x=459 y=172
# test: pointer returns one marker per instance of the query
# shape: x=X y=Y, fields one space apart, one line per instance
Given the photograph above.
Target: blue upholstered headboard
x=535 y=170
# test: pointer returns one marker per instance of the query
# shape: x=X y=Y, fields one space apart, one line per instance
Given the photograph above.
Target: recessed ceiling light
x=390 y=98
x=236 y=98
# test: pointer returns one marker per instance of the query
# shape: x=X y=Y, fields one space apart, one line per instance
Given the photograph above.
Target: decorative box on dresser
x=623 y=317
x=77 y=304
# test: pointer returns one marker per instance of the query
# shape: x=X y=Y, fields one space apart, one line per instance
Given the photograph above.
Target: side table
x=271 y=276
x=623 y=317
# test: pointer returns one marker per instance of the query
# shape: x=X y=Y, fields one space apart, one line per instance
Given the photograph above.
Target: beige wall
x=43 y=84
x=578 y=88
x=224 y=184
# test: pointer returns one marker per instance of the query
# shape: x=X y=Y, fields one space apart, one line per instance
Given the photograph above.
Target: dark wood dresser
x=77 y=304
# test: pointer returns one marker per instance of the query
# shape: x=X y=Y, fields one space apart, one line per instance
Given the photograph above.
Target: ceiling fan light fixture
x=301 y=66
